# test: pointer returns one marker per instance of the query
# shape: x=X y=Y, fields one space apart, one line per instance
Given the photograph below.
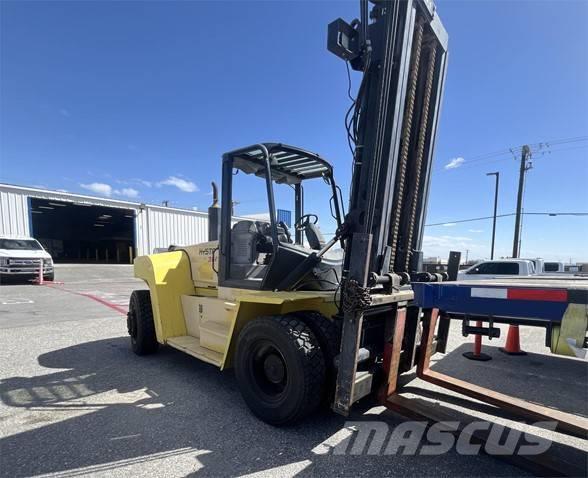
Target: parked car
x=22 y=257
x=539 y=265
x=554 y=267
x=498 y=268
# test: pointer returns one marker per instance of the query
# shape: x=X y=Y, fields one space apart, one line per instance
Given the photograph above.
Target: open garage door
x=83 y=233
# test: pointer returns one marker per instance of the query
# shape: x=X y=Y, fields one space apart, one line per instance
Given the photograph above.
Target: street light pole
x=497 y=174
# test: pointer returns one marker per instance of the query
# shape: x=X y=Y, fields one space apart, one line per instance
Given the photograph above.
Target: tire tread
x=146 y=340
x=308 y=350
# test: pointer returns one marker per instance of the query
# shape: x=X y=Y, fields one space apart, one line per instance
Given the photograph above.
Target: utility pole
x=525 y=166
x=497 y=174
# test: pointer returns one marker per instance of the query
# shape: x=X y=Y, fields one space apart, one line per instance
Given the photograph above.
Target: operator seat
x=243 y=243
x=314 y=236
x=282 y=236
x=244 y=251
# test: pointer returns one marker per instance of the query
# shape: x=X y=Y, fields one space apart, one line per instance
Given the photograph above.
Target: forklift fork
x=565 y=422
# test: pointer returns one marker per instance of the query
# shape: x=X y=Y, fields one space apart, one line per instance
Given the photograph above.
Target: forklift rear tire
x=280 y=369
x=140 y=323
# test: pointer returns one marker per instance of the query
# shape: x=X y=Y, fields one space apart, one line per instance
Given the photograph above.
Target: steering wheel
x=300 y=224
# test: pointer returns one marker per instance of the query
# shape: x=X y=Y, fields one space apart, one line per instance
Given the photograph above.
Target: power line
x=458 y=221
x=577 y=214
x=556 y=213
x=550 y=151
x=468 y=220
x=483 y=158
x=554 y=142
x=466 y=164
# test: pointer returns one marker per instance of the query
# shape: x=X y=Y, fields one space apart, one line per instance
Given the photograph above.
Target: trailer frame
x=540 y=301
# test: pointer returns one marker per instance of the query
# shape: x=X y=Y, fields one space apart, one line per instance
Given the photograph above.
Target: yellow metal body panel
x=204 y=263
x=168 y=277
x=251 y=304
x=210 y=320
x=191 y=346
x=193 y=315
x=573 y=326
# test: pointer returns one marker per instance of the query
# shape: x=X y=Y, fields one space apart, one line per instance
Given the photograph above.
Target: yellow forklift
x=303 y=320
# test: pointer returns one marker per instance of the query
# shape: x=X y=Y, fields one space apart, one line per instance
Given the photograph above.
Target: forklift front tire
x=280 y=369
x=140 y=323
x=328 y=333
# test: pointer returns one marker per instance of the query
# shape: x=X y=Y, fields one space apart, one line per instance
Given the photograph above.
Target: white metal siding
x=160 y=228
x=155 y=226
x=141 y=233
x=14 y=214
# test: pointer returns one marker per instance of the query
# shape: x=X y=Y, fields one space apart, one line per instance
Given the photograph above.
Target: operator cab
x=261 y=251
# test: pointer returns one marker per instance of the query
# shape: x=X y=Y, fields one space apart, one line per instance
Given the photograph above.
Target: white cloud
x=181 y=184
x=147 y=184
x=107 y=190
x=476 y=230
x=449 y=224
x=127 y=192
x=454 y=163
x=439 y=246
x=135 y=181
x=445 y=241
x=99 y=188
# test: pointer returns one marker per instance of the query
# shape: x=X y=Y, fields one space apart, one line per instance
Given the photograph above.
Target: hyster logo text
x=207 y=252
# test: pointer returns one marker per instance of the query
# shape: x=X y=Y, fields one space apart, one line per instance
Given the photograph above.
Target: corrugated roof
x=86 y=199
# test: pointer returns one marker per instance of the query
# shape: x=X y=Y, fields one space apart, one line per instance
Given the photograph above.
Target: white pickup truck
x=22 y=257
x=496 y=269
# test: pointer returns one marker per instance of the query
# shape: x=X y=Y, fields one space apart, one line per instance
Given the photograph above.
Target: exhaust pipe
x=214 y=215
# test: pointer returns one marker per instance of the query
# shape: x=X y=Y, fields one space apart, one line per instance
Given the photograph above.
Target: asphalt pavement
x=75 y=401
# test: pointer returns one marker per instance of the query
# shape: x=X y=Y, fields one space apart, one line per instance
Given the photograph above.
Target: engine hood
x=25 y=253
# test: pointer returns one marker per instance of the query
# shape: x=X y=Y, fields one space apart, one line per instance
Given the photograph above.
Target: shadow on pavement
x=120 y=409
x=17 y=280
x=549 y=380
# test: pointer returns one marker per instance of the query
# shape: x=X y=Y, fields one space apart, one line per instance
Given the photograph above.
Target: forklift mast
x=400 y=47
x=402 y=54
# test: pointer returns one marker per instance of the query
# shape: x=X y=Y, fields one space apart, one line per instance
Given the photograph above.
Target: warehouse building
x=80 y=228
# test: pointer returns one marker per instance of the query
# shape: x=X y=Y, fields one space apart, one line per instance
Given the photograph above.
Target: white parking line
x=16 y=301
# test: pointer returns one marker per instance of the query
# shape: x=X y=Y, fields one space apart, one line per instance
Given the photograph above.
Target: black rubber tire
x=328 y=333
x=140 y=323
x=49 y=277
x=303 y=362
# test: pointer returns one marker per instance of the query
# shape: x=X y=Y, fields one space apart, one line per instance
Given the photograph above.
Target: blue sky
x=140 y=99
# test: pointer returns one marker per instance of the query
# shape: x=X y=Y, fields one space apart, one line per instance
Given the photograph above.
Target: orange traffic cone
x=513 y=343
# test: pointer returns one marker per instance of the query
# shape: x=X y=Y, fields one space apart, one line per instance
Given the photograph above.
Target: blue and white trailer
x=560 y=305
